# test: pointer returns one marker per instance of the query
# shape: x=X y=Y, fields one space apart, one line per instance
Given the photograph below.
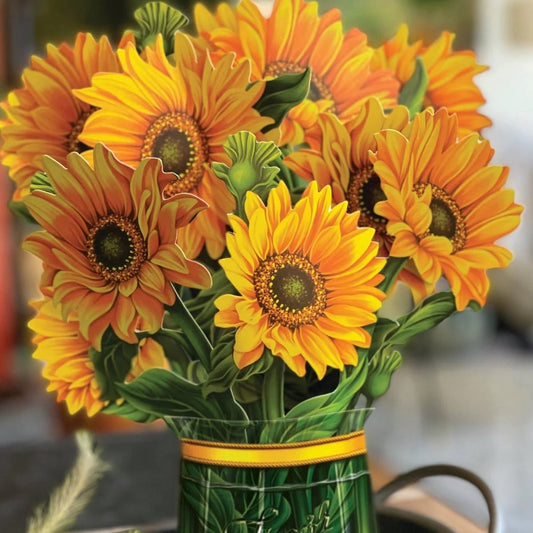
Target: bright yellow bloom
x=109 y=243
x=68 y=367
x=293 y=38
x=181 y=112
x=44 y=117
x=445 y=205
x=450 y=75
x=306 y=278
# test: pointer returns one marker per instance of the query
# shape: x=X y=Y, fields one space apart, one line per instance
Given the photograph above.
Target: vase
x=296 y=475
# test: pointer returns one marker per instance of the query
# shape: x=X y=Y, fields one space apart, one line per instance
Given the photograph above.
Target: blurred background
x=463 y=394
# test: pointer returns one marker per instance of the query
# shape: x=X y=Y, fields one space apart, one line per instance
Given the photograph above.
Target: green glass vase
x=307 y=475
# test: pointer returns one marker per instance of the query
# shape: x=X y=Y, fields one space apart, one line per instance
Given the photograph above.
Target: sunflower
x=109 y=243
x=445 y=205
x=44 y=117
x=293 y=38
x=341 y=161
x=306 y=278
x=450 y=75
x=181 y=113
x=68 y=367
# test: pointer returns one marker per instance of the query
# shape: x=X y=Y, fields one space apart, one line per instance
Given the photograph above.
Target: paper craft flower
x=181 y=112
x=108 y=243
x=293 y=38
x=306 y=278
x=44 y=117
x=445 y=205
x=450 y=75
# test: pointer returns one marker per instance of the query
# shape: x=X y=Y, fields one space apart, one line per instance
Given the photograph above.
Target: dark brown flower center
x=447 y=220
x=178 y=141
x=363 y=193
x=116 y=248
x=290 y=289
x=72 y=143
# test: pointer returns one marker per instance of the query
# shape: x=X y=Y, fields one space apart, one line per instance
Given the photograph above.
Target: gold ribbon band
x=274 y=455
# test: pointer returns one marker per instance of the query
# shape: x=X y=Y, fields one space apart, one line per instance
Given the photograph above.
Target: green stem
x=192 y=331
x=273 y=390
x=392 y=268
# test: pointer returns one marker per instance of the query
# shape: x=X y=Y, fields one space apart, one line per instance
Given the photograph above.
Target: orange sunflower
x=109 y=243
x=293 y=38
x=181 y=113
x=68 y=367
x=44 y=117
x=341 y=160
x=450 y=75
x=306 y=278
x=445 y=205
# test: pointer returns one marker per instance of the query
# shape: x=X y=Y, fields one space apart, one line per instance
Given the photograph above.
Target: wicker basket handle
x=417 y=474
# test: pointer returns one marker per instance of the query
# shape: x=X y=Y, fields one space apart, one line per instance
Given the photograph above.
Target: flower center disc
x=116 y=248
x=447 y=220
x=363 y=193
x=290 y=289
x=317 y=88
x=72 y=143
x=178 y=141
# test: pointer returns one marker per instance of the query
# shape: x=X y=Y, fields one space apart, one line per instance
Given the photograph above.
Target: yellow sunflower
x=445 y=205
x=181 y=113
x=68 y=367
x=109 y=243
x=293 y=38
x=44 y=117
x=306 y=278
x=450 y=75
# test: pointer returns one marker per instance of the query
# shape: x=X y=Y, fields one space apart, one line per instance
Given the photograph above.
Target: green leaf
x=112 y=364
x=162 y=393
x=282 y=94
x=125 y=410
x=158 y=17
x=202 y=305
x=430 y=313
x=382 y=328
x=412 y=93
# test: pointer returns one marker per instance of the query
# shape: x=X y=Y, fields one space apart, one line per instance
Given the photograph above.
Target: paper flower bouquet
x=224 y=206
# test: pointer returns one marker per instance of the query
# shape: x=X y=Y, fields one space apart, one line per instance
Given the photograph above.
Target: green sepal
x=125 y=410
x=250 y=169
x=20 y=210
x=158 y=18
x=163 y=393
x=112 y=364
x=381 y=368
x=412 y=93
x=281 y=94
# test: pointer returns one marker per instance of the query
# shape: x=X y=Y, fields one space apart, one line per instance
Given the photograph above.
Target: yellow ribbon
x=274 y=455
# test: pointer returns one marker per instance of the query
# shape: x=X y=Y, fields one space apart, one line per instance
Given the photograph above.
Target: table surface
x=137 y=491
